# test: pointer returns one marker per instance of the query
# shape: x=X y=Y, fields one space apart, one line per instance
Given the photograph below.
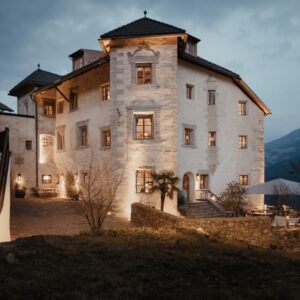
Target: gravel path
x=49 y=216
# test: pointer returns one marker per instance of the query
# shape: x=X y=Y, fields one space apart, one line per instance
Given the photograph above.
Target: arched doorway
x=188 y=186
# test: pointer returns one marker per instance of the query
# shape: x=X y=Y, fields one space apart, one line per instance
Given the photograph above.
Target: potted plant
x=20 y=191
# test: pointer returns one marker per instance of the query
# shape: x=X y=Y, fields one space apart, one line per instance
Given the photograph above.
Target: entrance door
x=186 y=186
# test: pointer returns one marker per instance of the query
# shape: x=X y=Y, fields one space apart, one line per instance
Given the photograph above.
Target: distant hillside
x=279 y=155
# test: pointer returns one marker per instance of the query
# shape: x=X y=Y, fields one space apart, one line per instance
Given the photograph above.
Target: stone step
x=201 y=209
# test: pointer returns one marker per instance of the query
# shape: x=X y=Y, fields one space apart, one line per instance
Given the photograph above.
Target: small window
x=73 y=99
x=144 y=73
x=28 y=145
x=144 y=181
x=242 y=108
x=243 y=180
x=106 y=138
x=105 y=92
x=211 y=97
x=203 y=182
x=191 y=48
x=49 y=108
x=143 y=127
x=83 y=136
x=45 y=141
x=242 y=142
x=189 y=91
x=188 y=136
x=60 y=107
x=47 y=179
x=60 y=135
x=212 y=137
x=77 y=63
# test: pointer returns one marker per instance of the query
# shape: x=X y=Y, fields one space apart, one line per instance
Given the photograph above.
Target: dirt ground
x=50 y=216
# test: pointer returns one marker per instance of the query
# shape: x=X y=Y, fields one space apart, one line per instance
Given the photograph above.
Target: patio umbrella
x=3 y=107
x=276 y=187
x=279 y=188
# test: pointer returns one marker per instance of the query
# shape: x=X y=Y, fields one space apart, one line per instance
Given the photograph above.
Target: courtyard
x=51 y=216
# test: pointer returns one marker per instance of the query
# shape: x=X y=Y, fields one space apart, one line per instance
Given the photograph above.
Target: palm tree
x=165 y=182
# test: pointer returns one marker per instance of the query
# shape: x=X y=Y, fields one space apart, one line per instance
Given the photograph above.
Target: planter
x=20 y=193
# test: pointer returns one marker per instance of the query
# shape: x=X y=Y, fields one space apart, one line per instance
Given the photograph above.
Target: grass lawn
x=146 y=264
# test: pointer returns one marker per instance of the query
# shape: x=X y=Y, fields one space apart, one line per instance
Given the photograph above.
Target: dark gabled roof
x=199 y=61
x=3 y=107
x=142 y=27
x=37 y=78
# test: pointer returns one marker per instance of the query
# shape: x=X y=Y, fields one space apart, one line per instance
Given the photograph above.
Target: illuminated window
x=49 y=108
x=144 y=181
x=60 y=135
x=45 y=141
x=211 y=97
x=105 y=92
x=106 y=138
x=188 y=136
x=46 y=179
x=144 y=73
x=242 y=108
x=212 y=137
x=73 y=99
x=243 y=180
x=143 y=127
x=242 y=142
x=28 y=145
x=83 y=136
x=60 y=107
x=189 y=91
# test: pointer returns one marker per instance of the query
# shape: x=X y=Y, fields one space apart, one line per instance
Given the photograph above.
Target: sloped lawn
x=145 y=264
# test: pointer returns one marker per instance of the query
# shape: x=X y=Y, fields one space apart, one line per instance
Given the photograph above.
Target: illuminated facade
x=148 y=102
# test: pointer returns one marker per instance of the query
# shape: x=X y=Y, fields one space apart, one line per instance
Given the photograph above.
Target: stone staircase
x=200 y=209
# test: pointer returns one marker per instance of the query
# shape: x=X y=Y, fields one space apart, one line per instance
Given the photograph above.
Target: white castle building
x=145 y=101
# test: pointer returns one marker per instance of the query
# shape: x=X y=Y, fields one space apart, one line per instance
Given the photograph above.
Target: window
x=83 y=136
x=73 y=99
x=188 y=136
x=212 y=136
x=144 y=181
x=60 y=107
x=60 y=135
x=211 y=97
x=143 y=73
x=143 y=127
x=46 y=179
x=242 y=108
x=242 y=142
x=105 y=92
x=191 y=48
x=49 y=108
x=189 y=91
x=77 y=63
x=106 y=138
x=243 y=180
x=203 y=181
x=45 y=141
x=28 y=145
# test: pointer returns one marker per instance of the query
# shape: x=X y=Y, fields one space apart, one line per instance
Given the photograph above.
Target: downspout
x=36 y=142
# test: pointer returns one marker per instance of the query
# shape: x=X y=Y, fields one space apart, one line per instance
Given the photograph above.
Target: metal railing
x=4 y=163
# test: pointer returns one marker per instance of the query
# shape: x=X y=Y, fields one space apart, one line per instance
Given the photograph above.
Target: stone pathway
x=49 y=216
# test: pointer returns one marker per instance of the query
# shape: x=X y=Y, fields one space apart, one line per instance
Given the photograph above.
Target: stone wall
x=255 y=231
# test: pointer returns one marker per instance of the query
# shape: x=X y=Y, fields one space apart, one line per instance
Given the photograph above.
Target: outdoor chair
x=280 y=221
x=294 y=221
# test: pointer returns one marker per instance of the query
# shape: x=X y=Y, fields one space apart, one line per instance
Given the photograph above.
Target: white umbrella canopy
x=276 y=187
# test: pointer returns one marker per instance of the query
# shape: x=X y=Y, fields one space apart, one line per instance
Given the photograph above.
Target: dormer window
x=78 y=63
x=191 y=48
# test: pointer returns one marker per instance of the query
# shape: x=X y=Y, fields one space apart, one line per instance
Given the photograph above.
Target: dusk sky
x=258 y=39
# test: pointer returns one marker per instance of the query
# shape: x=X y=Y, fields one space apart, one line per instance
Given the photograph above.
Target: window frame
x=49 y=103
x=211 y=100
x=105 y=91
x=44 y=181
x=143 y=66
x=189 y=91
x=60 y=107
x=83 y=139
x=212 y=138
x=243 y=179
x=143 y=117
x=104 y=142
x=147 y=179
x=188 y=132
x=242 y=109
x=73 y=94
x=243 y=142
x=60 y=138
x=28 y=144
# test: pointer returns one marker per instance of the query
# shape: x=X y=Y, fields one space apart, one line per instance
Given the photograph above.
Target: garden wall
x=254 y=231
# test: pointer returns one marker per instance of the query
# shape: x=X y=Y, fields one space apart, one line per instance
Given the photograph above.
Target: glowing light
x=19 y=178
